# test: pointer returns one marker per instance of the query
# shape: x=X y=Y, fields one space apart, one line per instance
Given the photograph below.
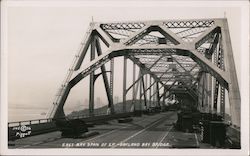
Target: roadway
x=148 y=131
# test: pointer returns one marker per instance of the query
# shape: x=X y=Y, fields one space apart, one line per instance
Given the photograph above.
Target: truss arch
x=206 y=42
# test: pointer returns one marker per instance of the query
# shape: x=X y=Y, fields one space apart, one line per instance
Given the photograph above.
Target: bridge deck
x=148 y=131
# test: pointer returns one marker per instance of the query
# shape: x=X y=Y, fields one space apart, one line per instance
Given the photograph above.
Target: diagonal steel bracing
x=139 y=41
x=105 y=78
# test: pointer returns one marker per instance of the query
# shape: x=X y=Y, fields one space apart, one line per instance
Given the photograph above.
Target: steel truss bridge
x=195 y=55
x=192 y=57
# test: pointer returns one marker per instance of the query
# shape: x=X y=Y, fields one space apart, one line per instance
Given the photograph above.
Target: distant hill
x=103 y=110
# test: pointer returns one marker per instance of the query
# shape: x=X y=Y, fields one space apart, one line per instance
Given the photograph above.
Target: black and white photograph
x=124 y=77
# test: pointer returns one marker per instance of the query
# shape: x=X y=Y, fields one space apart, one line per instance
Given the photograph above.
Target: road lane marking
x=196 y=138
x=114 y=130
x=41 y=142
x=104 y=134
x=151 y=125
x=166 y=134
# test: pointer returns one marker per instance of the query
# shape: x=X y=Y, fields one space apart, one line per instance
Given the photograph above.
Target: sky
x=42 y=41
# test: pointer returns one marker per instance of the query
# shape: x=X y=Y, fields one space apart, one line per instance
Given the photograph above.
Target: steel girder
x=186 y=41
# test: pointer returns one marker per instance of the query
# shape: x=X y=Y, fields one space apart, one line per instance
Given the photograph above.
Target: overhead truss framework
x=192 y=54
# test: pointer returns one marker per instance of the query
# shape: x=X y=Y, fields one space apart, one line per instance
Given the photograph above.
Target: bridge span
x=148 y=131
x=183 y=79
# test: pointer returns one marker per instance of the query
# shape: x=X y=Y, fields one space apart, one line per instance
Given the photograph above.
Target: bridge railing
x=41 y=126
x=28 y=122
x=47 y=120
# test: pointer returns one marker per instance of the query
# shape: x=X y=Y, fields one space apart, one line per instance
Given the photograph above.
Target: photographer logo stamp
x=22 y=131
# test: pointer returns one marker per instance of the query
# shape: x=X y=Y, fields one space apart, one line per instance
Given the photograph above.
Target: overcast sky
x=42 y=42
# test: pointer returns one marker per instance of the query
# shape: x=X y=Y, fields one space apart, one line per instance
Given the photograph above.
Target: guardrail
x=28 y=122
x=44 y=120
x=41 y=126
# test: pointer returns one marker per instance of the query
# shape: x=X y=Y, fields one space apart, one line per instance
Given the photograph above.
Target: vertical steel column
x=222 y=89
x=164 y=96
x=112 y=85
x=209 y=56
x=158 y=94
x=133 y=92
x=209 y=84
x=215 y=83
x=233 y=87
x=207 y=102
x=210 y=79
x=145 y=87
x=200 y=91
x=133 y=89
x=216 y=91
x=205 y=98
x=222 y=101
x=220 y=64
x=150 y=93
x=154 y=91
x=144 y=91
x=140 y=95
x=91 y=81
x=203 y=91
x=135 y=95
x=108 y=89
x=124 y=83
